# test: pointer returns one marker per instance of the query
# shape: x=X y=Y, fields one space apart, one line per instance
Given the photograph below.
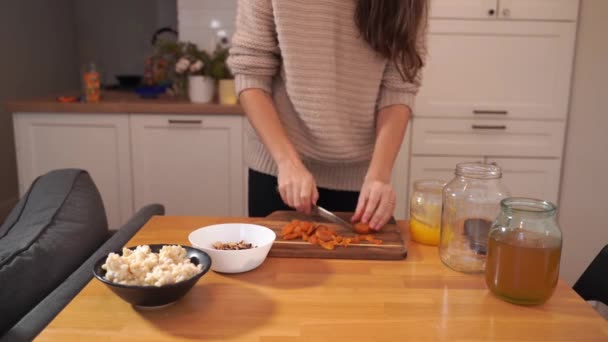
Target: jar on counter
x=471 y=203
x=425 y=211
x=524 y=251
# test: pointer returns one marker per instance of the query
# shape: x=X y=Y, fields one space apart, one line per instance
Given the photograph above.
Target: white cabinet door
x=441 y=168
x=464 y=9
x=539 y=9
x=536 y=178
x=503 y=69
x=98 y=143
x=400 y=176
x=509 y=138
x=193 y=165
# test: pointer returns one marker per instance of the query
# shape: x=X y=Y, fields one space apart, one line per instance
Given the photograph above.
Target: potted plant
x=191 y=73
x=221 y=72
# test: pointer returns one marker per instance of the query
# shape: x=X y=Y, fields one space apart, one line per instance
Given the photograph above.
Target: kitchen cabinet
x=463 y=8
x=497 y=69
x=524 y=177
x=506 y=9
x=98 y=143
x=192 y=164
x=442 y=168
x=496 y=89
x=527 y=138
x=566 y=10
x=536 y=178
x=400 y=176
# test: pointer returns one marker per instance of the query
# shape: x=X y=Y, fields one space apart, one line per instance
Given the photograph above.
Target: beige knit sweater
x=325 y=80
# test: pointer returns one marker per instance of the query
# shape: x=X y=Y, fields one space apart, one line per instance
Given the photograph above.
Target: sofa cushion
x=53 y=229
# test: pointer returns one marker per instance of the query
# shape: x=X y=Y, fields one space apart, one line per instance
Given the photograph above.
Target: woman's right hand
x=297 y=186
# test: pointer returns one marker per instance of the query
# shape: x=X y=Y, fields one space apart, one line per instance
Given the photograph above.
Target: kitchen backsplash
x=195 y=19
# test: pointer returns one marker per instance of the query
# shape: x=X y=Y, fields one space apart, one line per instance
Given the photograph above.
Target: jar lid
x=478 y=170
x=429 y=185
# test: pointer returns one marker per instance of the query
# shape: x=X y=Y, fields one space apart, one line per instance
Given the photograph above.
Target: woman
x=328 y=88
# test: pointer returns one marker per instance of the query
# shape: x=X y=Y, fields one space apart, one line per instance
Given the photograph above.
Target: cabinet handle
x=490 y=112
x=491 y=12
x=506 y=12
x=190 y=122
x=501 y=127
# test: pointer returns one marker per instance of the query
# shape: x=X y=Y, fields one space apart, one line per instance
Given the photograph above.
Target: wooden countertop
x=122 y=102
x=293 y=300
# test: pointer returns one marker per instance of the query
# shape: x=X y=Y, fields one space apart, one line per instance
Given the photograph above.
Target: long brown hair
x=393 y=28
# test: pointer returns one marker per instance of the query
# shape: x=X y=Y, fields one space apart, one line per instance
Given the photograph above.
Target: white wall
x=584 y=210
x=194 y=18
x=38 y=59
x=117 y=34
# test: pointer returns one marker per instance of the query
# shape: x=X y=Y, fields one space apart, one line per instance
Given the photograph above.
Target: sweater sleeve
x=393 y=90
x=254 y=56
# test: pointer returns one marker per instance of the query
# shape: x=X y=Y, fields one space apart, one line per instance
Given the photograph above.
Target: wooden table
x=294 y=300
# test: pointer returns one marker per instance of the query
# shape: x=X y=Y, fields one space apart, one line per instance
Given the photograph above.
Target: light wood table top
x=294 y=300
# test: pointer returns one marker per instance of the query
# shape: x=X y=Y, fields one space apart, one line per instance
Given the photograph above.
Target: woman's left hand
x=376 y=203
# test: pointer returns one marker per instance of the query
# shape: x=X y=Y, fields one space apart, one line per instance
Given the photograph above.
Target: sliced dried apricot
x=324 y=235
x=362 y=228
x=327 y=245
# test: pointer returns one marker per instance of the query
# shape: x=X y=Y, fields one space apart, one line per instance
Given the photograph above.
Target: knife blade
x=328 y=215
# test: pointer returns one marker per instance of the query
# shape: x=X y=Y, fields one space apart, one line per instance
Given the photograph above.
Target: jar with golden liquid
x=524 y=250
x=425 y=211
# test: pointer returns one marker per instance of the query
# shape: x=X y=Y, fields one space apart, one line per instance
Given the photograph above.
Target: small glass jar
x=524 y=250
x=425 y=211
x=471 y=202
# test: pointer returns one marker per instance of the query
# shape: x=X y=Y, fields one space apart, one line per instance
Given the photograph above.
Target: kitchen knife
x=328 y=215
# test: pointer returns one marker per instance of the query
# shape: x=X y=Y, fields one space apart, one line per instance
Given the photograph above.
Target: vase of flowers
x=191 y=74
x=201 y=88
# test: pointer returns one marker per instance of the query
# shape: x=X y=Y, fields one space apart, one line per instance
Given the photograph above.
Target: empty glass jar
x=524 y=251
x=471 y=203
x=425 y=211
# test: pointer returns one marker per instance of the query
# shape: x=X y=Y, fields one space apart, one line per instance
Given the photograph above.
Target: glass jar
x=524 y=250
x=425 y=211
x=471 y=202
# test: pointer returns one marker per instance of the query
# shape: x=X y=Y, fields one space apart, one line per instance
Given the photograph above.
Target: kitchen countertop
x=300 y=299
x=122 y=102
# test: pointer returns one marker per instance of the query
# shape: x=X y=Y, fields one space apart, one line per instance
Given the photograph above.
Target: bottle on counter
x=471 y=203
x=91 y=83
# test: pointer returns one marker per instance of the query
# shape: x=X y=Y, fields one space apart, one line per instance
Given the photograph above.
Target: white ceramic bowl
x=234 y=261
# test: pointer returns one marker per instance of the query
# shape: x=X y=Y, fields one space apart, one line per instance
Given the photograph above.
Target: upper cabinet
x=566 y=10
x=464 y=8
x=563 y=10
x=497 y=69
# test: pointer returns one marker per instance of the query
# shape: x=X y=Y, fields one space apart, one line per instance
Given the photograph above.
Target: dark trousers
x=264 y=198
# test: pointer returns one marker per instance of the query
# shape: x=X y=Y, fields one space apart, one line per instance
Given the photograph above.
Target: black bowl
x=151 y=296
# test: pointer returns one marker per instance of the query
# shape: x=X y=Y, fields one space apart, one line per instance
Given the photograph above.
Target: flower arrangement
x=187 y=60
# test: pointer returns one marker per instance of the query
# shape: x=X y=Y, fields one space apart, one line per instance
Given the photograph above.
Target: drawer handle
x=189 y=122
x=502 y=127
x=490 y=112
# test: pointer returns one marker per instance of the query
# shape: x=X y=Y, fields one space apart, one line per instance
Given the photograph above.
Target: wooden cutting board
x=393 y=247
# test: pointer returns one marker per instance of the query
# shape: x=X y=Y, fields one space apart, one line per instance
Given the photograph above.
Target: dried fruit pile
x=322 y=235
